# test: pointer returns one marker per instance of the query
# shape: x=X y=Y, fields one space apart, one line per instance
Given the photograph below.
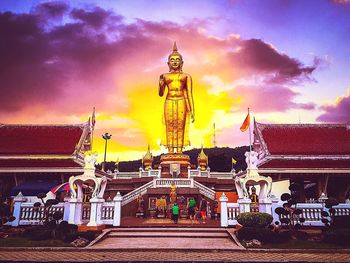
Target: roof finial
x=174 y=47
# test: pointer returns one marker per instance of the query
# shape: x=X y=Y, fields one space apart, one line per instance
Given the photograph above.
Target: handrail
x=131 y=196
x=204 y=190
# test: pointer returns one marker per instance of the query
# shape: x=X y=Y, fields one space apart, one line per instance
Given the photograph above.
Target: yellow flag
x=234 y=161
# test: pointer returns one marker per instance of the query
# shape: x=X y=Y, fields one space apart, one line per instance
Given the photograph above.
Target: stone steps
x=168 y=234
x=166 y=238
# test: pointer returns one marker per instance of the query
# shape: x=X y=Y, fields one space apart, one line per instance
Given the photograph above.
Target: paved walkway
x=166 y=238
x=85 y=255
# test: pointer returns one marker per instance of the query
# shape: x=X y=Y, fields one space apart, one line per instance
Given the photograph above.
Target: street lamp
x=106 y=137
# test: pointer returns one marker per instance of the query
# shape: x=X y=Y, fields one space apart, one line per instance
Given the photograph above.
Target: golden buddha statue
x=179 y=105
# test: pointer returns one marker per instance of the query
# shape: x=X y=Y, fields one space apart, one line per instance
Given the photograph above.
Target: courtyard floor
x=105 y=255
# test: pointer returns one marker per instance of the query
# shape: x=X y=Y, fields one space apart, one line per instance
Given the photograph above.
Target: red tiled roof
x=39 y=139
x=307 y=164
x=306 y=139
x=38 y=163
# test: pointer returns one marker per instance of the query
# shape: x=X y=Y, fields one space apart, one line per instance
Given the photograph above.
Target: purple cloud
x=256 y=55
x=44 y=63
x=268 y=98
x=339 y=113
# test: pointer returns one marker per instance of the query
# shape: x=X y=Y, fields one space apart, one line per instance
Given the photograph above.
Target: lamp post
x=106 y=137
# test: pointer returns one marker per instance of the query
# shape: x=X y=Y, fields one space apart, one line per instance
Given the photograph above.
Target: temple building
x=315 y=155
x=41 y=153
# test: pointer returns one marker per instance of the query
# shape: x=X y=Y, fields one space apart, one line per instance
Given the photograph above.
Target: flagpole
x=92 y=137
x=250 y=138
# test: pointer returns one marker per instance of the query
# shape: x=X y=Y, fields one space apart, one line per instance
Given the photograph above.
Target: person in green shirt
x=175 y=211
x=191 y=209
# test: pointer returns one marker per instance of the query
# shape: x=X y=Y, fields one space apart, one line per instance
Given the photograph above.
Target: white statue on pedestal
x=253 y=177
x=88 y=175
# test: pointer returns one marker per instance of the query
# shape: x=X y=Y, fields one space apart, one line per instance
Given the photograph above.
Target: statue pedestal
x=174 y=164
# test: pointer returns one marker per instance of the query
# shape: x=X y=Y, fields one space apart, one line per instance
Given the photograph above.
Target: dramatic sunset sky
x=289 y=61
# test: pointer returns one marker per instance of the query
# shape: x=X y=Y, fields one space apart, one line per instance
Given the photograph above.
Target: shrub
x=43 y=234
x=341 y=222
x=263 y=235
x=254 y=219
x=337 y=236
x=89 y=235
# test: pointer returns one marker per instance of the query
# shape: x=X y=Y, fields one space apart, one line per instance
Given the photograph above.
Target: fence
x=310 y=211
x=29 y=215
x=100 y=212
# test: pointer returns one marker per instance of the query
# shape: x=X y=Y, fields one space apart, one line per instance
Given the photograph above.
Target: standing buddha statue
x=179 y=105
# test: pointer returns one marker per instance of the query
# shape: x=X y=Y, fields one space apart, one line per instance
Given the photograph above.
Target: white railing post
x=244 y=205
x=18 y=200
x=95 y=212
x=75 y=211
x=223 y=210
x=117 y=209
x=274 y=205
x=265 y=206
x=66 y=209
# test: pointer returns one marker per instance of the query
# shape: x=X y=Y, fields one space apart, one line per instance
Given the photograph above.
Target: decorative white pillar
x=75 y=211
x=117 y=209
x=223 y=210
x=244 y=205
x=66 y=209
x=274 y=205
x=18 y=200
x=265 y=205
x=96 y=211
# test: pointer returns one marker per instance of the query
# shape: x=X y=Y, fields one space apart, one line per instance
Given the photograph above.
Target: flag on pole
x=234 y=161
x=93 y=119
x=245 y=124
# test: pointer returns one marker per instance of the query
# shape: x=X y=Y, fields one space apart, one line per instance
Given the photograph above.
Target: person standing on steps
x=203 y=209
x=191 y=209
x=175 y=212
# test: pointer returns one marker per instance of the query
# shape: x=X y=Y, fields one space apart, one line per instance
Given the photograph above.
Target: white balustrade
x=342 y=209
x=107 y=214
x=131 y=196
x=85 y=212
x=206 y=191
x=168 y=182
x=232 y=213
x=34 y=216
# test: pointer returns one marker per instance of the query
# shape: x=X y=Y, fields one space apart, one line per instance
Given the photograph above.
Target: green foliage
x=328 y=217
x=263 y=235
x=341 y=222
x=219 y=159
x=254 y=219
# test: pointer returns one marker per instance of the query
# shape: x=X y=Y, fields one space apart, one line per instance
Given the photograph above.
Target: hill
x=219 y=160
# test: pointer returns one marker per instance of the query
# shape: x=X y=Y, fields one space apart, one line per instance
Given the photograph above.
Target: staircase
x=167 y=239
x=166 y=182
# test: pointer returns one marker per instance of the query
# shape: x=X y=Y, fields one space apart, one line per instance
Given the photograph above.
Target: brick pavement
x=83 y=255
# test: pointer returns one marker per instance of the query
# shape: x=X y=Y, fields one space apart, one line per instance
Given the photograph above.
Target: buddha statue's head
x=175 y=61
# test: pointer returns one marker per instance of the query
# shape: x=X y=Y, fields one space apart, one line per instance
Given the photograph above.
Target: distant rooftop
x=304 y=139
x=39 y=139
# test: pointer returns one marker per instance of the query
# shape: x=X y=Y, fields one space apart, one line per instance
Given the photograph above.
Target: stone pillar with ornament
x=117 y=209
x=18 y=200
x=223 y=210
x=75 y=211
x=96 y=201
